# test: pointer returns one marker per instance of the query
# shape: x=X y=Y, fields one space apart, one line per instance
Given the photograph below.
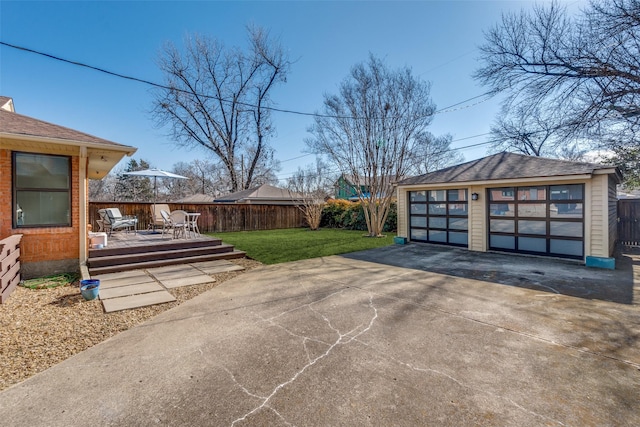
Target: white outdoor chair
x=179 y=223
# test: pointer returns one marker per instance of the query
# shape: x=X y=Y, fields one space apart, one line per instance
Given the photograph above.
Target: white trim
x=83 y=201
x=497 y=183
x=58 y=141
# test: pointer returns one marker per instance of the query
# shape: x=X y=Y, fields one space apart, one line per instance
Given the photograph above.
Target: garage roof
x=509 y=166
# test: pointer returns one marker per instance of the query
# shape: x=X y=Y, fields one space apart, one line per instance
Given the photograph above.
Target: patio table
x=192 y=223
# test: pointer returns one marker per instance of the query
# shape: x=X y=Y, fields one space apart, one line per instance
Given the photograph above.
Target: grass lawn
x=276 y=246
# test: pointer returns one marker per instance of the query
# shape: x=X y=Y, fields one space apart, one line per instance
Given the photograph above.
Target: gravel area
x=40 y=328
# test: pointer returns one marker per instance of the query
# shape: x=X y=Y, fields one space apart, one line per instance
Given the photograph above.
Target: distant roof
x=508 y=166
x=19 y=125
x=263 y=193
x=355 y=179
x=196 y=198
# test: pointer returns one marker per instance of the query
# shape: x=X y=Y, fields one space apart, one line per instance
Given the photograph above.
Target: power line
x=244 y=104
x=436 y=153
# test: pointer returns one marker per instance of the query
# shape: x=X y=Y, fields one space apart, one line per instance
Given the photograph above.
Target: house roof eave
x=125 y=149
x=497 y=182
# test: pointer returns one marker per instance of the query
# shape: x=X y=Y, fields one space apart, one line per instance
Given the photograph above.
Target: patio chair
x=179 y=223
x=112 y=220
x=156 y=216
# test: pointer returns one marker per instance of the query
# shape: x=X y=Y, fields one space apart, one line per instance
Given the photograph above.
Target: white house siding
x=599 y=228
x=613 y=215
x=403 y=213
x=478 y=219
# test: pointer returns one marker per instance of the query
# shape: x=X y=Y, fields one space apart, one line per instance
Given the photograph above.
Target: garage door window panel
x=532 y=210
x=502 y=226
x=417 y=209
x=502 y=209
x=532 y=227
x=531 y=244
x=566 y=210
x=566 y=229
x=438 y=222
x=566 y=247
x=458 y=238
x=503 y=242
x=532 y=193
x=437 y=209
x=419 y=221
x=459 y=223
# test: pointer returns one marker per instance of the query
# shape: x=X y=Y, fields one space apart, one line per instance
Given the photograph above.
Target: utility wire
x=245 y=104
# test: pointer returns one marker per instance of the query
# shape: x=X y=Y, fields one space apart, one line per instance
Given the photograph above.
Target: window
x=41 y=190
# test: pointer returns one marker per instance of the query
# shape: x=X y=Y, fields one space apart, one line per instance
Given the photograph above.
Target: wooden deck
x=145 y=249
x=124 y=239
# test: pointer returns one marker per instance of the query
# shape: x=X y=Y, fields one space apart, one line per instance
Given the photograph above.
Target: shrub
x=350 y=215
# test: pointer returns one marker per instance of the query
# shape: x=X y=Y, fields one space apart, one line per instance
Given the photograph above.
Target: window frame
x=15 y=189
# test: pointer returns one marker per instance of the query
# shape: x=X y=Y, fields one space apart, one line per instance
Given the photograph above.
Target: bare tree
x=433 y=153
x=529 y=131
x=627 y=158
x=103 y=190
x=219 y=99
x=370 y=130
x=581 y=72
x=309 y=188
x=202 y=174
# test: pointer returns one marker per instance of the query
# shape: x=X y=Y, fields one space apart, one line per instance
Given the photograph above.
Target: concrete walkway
x=140 y=288
x=344 y=342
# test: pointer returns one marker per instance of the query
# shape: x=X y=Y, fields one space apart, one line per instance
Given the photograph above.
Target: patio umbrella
x=155 y=173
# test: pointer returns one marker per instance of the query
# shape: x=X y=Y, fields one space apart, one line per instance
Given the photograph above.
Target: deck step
x=169 y=245
x=151 y=254
x=233 y=254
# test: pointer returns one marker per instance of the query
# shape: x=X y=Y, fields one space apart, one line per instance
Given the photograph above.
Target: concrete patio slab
x=216 y=267
x=125 y=281
x=174 y=271
x=120 y=275
x=188 y=281
x=136 y=301
x=122 y=291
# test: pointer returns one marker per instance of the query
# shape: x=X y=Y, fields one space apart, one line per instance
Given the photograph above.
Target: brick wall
x=41 y=245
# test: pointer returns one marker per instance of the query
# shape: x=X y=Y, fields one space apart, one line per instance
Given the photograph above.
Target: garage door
x=439 y=216
x=542 y=220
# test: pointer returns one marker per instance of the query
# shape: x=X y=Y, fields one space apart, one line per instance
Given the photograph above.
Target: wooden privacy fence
x=215 y=217
x=9 y=265
x=629 y=222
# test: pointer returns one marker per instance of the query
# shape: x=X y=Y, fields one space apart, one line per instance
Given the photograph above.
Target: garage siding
x=403 y=213
x=599 y=217
x=613 y=215
x=477 y=220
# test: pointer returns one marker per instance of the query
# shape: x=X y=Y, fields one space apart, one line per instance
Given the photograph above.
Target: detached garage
x=515 y=203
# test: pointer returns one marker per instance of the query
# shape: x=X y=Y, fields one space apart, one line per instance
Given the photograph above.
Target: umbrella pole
x=155 y=196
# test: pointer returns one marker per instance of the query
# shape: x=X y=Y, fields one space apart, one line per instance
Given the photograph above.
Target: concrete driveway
x=341 y=341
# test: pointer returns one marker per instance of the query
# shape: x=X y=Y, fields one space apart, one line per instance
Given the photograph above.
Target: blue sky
x=437 y=39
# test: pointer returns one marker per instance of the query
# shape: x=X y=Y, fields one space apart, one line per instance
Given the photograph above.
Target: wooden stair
x=111 y=260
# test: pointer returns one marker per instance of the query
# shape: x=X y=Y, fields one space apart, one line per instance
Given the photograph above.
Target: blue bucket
x=90 y=289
